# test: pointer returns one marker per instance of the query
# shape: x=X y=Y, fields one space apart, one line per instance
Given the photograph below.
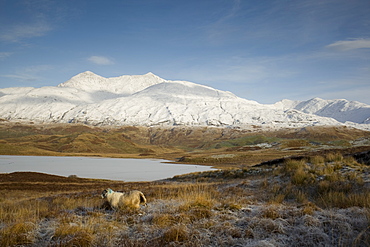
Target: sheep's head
x=106 y=192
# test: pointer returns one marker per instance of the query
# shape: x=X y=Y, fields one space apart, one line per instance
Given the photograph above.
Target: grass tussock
x=330 y=181
x=198 y=196
x=73 y=235
x=18 y=234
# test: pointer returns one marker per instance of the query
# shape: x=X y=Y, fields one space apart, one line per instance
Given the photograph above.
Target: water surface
x=102 y=168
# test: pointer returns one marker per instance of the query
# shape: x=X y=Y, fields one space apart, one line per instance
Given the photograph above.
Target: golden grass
x=341 y=199
x=66 y=202
x=302 y=177
x=291 y=165
x=317 y=160
x=197 y=195
x=295 y=143
x=18 y=234
x=329 y=181
x=24 y=211
x=333 y=157
x=73 y=235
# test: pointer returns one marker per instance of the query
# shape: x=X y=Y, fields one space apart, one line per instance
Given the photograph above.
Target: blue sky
x=265 y=50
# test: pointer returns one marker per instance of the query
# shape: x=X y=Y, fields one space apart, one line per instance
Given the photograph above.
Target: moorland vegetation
x=306 y=187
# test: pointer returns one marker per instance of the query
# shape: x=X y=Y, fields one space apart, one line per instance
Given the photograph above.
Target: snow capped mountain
x=340 y=109
x=150 y=100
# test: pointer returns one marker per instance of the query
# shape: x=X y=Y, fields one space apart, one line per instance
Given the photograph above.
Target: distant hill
x=148 y=100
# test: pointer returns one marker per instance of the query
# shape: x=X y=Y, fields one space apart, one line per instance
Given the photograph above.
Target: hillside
x=148 y=100
x=220 y=147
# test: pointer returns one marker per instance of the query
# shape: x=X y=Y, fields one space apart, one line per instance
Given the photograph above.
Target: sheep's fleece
x=118 y=200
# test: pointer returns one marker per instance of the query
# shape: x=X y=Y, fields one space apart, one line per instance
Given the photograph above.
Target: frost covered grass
x=169 y=223
x=321 y=201
x=330 y=181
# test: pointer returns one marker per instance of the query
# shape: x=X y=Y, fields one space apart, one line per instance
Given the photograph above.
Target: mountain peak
x=86 y=74
x=84 y=81
x=123 y=85
x=151 y=75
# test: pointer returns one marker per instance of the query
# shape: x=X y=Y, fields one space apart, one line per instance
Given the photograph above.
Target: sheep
x=118 y=200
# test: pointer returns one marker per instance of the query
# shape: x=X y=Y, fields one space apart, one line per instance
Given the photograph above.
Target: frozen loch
x=101 y=168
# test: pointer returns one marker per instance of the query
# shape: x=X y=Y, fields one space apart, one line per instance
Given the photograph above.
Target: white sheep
x=118 y=200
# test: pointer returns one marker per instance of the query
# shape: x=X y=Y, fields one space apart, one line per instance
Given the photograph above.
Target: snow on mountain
x=186 y=103
x=40 y=104
x=340 y=109
x=150 y=100
x=122 y=85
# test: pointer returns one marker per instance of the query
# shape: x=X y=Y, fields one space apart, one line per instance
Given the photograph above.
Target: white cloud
x=100 y=60
x=350 y=44
x=21 y=77
x=31 y=73
x=4 y=55
x=222 y=28
x=18 y=32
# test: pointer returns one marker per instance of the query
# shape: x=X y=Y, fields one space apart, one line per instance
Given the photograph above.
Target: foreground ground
x=292 y=187
x=303 y=201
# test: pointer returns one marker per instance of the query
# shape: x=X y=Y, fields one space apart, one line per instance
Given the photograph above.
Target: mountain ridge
x=340 y=109
x=149 y=100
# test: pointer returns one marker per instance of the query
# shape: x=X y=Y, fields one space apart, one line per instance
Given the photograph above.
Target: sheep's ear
x=110 y=191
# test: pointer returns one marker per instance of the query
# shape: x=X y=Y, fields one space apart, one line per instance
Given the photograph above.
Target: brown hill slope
x=205 y=145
